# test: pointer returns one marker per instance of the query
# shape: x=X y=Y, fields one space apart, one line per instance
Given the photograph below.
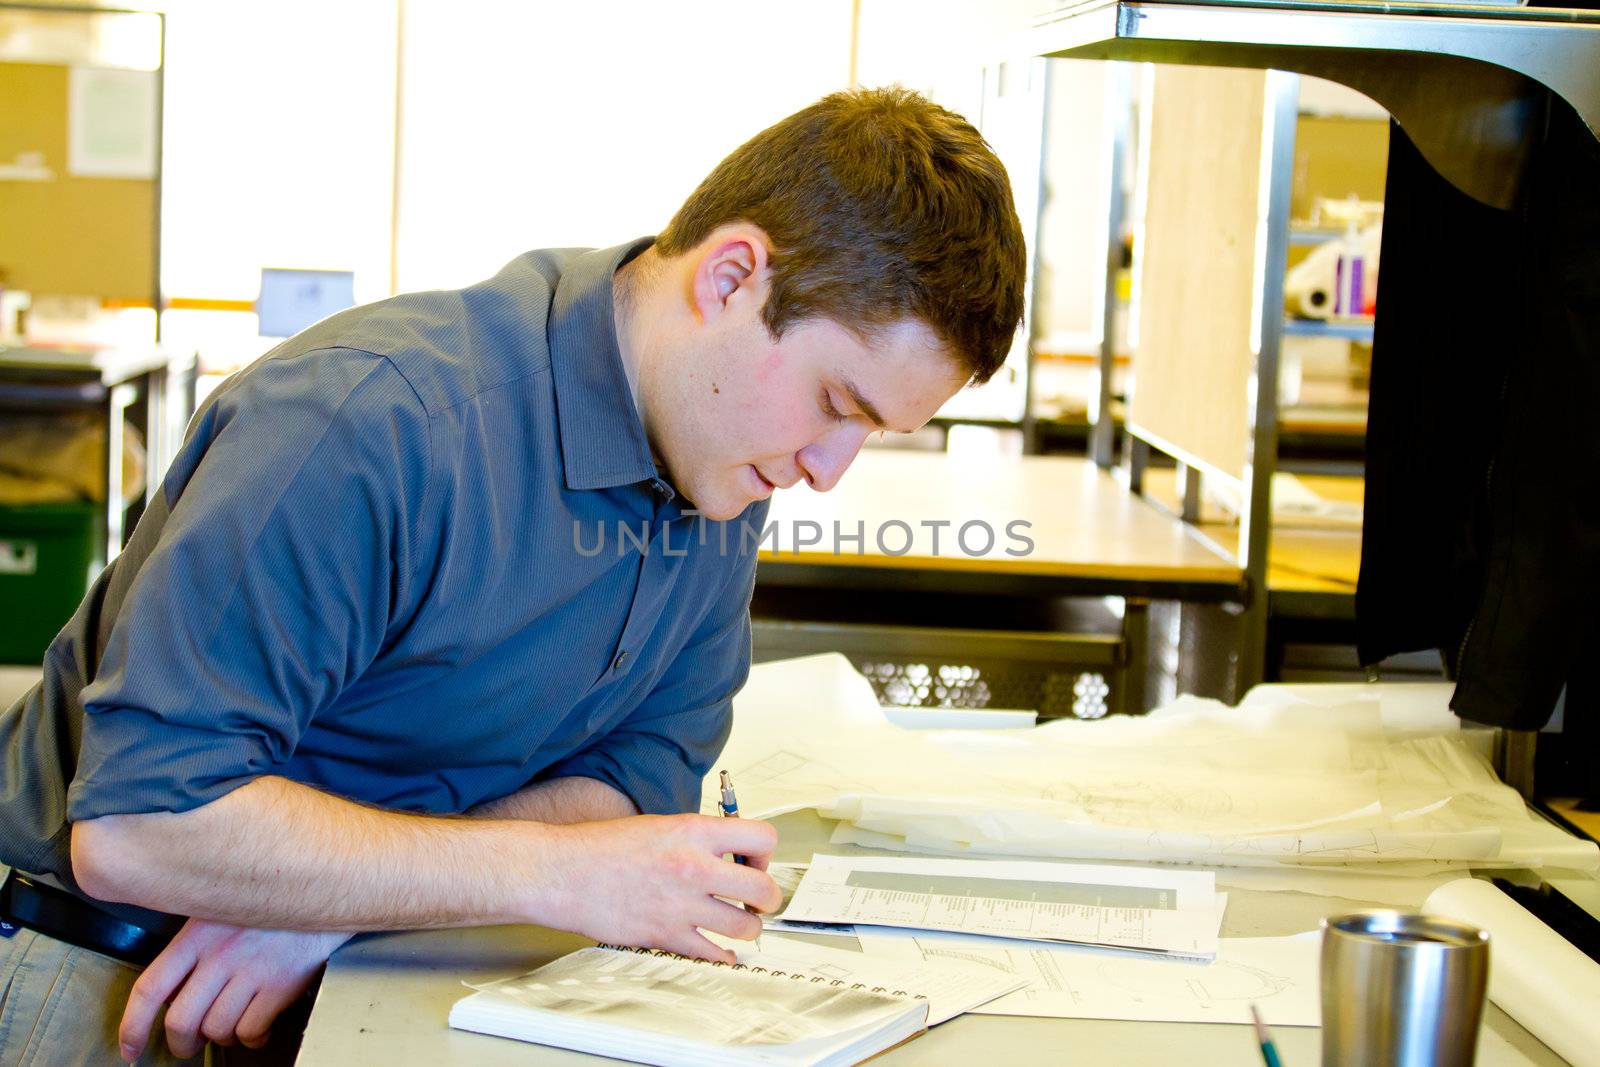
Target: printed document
x=1165 y=911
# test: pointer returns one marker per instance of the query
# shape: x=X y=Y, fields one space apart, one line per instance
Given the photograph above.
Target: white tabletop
x=110 y=365
x=386 y=997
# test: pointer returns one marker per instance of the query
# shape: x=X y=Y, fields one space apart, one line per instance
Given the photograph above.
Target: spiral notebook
x=791 y=1004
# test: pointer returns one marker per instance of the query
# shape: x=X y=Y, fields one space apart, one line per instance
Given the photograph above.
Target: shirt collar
x=603 y=442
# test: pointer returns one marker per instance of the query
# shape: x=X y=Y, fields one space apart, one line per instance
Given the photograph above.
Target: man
x=368 y=600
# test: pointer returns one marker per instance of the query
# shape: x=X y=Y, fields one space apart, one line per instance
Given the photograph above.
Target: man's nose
x=825 y=461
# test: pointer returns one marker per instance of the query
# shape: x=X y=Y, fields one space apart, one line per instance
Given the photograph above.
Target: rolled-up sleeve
x=269 y=588
x=658 y=755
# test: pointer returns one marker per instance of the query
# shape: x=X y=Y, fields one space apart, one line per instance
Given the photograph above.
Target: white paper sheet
x=1278 y=974
x=1342 y=785
x=1294 y=503
x=1389 y=885
x=1151 y=910
x=1392 y=891
x=1536 y=976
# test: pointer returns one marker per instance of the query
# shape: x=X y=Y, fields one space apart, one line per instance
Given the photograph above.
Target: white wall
x=549 y=124
x=542 y=123
x=974 y=58
x=279 y=143
x=940 y=47
x=522 y=125
x=1076 y=205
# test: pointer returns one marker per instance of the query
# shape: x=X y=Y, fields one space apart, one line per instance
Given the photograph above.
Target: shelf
x=1309 y=236
x=1348 y=331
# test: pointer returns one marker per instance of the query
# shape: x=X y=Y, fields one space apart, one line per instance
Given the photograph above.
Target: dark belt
x=56 y=913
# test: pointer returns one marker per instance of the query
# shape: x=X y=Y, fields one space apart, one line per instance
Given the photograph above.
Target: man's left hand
x=225 y=983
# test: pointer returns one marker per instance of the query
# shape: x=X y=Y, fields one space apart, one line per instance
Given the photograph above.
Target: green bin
x=47 y=560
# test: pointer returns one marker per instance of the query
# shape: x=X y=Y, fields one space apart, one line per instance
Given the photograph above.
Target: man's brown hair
x=880 y=206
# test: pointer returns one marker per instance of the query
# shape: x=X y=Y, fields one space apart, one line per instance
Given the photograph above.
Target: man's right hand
x=651 y=880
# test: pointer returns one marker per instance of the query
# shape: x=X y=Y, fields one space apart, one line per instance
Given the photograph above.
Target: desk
x=1307 y=556
x=386 y=997
x=1000 y=602
x=1585 y=819
x=1311 y=570
x=1323 y=436
x=1090 y=535
x=110 y=381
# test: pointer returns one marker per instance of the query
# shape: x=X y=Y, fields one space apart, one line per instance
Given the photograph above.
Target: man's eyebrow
x=867 y=407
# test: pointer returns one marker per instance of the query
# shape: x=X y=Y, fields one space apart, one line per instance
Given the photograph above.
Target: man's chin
x=713 y=508
x=722 y=511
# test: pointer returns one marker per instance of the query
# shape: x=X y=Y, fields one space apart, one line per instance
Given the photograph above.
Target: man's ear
x=732 y=266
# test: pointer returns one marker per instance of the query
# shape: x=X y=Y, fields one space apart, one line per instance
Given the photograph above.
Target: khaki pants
x=60 y=1006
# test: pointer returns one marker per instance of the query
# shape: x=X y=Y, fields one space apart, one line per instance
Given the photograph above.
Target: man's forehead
x=896 y=396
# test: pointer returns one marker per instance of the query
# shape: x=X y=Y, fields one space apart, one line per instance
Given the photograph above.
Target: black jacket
x=1482 y=532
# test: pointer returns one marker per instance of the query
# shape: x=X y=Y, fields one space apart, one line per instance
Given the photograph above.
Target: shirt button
x=622 y=657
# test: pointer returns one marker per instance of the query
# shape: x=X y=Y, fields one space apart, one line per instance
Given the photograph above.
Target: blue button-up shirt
x=419 y=556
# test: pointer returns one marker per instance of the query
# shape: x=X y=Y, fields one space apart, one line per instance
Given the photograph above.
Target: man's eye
x=829 y=410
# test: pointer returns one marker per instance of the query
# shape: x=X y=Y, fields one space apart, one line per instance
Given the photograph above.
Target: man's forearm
x=277 y=854
x=560 y=801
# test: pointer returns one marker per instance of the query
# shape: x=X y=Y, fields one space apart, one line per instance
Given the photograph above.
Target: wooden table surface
x=1305 y=558
x=1081 y=521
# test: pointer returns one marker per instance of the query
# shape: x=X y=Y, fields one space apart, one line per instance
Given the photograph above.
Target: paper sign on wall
x=112 y=123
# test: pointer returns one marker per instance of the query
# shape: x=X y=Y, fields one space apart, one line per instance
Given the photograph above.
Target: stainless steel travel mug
x=1401 y=990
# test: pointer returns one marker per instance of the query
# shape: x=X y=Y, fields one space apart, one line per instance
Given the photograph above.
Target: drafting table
x=1090 y=534
x=1312 y=569
x=386 y=997
x=1091 y=538
x=1308 y=557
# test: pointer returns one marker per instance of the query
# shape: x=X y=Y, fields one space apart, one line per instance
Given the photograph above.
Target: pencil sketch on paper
x=1279 y=973
x=976 y=959
x=1222 y=980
